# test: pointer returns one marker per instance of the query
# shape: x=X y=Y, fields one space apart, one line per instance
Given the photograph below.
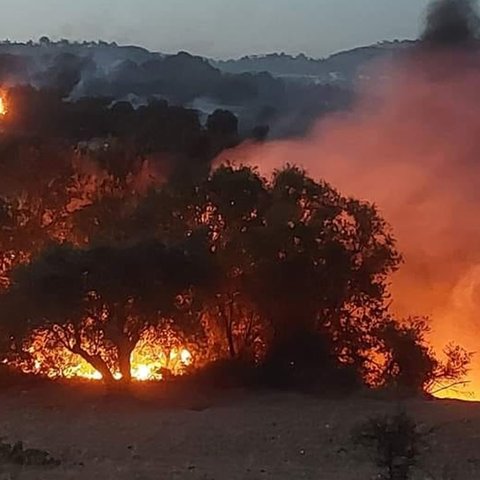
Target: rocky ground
x=158 y=434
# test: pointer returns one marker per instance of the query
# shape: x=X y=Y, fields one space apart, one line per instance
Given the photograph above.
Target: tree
x=322 y=262
x=33 y=206
x=294 y=256
x=222 y=130
x=98 y=301
x=409 y=363
x=223 y=123
x=236 y=200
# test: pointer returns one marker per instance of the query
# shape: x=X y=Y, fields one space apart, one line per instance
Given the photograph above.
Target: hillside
x=342 y=66
x=133 y=74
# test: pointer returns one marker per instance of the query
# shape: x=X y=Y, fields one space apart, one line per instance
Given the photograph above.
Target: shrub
x=411 y=365
x=17 y=455
x=396 y=441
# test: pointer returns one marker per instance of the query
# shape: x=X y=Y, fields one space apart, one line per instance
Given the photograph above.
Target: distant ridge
x=278 y=93
x=342 y=64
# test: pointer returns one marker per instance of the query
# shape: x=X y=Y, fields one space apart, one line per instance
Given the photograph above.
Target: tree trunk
x=97 y=363
x=124 y=342
x=231 y=343
x=125 y=350
x=228 y=322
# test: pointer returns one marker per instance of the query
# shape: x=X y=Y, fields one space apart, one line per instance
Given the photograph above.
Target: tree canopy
x=245 y=266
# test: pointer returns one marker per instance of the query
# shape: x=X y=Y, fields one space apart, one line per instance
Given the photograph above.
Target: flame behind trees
x=230 y=264
x=98 y=302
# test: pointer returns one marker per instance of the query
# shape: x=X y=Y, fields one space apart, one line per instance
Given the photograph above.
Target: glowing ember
x=186 y=357
x=3 y=106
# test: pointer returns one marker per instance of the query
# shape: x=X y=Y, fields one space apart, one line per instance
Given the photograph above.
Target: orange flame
x=149 y=360
x=3 y=105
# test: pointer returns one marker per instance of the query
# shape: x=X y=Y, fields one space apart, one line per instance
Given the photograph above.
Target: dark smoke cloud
x=451 y=22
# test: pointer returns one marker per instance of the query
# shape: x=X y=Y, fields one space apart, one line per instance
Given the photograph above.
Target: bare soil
x=158 y=433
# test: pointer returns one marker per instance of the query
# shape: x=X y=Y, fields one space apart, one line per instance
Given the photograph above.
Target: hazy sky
x=220 y=28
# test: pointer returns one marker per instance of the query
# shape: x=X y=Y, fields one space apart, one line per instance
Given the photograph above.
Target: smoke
x=64 y=73
x=411 y=145
x=451 y=22
x=81 y=70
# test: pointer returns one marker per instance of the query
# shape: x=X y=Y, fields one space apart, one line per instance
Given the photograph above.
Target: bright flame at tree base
x=150 y=361
x=156 y=357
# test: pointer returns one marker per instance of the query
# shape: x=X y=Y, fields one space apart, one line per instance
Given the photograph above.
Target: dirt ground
x=199 y=436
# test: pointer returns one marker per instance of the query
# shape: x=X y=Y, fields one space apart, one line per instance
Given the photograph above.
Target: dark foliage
x=412 y=368
x=305 y=361
x=229 y=373
x=116 y=134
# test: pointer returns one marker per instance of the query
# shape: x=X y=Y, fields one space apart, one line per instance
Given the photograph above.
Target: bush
x=227 y=373
x=17 y=455
x=411 y=365
x=396 y=441
x=304 y=362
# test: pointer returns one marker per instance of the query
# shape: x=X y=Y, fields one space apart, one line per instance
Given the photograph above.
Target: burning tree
x=293 y=256
x=235 y=202
x=97 y=302
x=322 y=264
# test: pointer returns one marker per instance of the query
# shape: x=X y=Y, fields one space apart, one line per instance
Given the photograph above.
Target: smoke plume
x=451 y=22
x=412 y=146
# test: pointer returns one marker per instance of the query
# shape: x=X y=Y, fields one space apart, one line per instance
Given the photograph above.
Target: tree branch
x=452 y=385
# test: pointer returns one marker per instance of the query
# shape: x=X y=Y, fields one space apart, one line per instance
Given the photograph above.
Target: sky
x=217 y=28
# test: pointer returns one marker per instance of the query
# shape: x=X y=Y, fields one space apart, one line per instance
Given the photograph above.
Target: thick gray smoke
x=451 y=22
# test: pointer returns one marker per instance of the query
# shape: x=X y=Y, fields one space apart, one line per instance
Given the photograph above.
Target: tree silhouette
x=98 y=301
